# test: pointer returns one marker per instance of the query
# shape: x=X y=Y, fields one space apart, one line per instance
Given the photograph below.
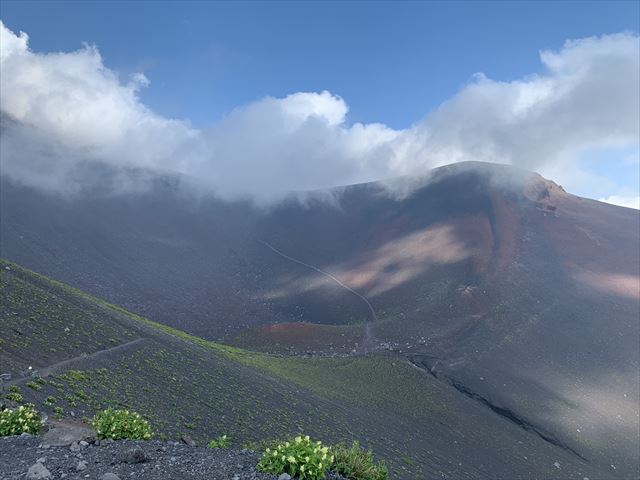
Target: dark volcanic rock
x=143 y=460
x=135 y=455
x=187 y=440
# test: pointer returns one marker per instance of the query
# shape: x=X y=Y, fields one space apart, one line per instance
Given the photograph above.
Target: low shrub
x=300 y=457
x=58 y=413
x=220 y=442
x=34 y=386
x=77 y=375
x=24 y=419
x=14 y=397
x=56 y=385
x=355 y=463
x=120 y=425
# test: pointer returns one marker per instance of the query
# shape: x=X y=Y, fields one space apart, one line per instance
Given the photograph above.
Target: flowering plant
x=299 y=457
x=24 y=419
x=121 y=424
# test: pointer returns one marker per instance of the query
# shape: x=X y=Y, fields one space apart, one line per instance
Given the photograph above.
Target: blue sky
x=391 y=62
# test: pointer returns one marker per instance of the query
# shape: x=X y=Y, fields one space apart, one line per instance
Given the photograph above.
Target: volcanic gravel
x=137 y=460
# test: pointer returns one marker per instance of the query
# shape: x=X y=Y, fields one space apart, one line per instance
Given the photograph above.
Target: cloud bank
x=63 y=113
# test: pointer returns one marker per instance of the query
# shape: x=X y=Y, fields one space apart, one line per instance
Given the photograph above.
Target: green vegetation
x=381 y=400
x=50 y=401
x=121 y=424
x=369 y=380
x=77 y=375
x=356 y=463
x=14 y=397
x=299 y=457
x=35 y=318
x=24 y=419
x=58 y=413
x=34 y=386
x=361 y=379
x=352 y=462
x=220 y=442
x=226 y=387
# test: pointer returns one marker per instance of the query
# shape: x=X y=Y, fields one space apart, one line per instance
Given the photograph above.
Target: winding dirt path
x=326 y=274
x=48 y=370
x=368 y=339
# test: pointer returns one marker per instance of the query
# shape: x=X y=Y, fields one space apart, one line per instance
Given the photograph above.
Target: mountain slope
x=184 y=384
x=495 y=282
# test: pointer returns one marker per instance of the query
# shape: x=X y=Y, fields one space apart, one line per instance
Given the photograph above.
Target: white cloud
x=63 y=112
x=629 y=202
x=73 y=100
x=587 y=98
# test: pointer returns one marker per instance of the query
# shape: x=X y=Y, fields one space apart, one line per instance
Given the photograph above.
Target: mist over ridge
x=63 y=113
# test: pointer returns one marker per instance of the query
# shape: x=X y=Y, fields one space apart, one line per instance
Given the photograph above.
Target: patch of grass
x=77 y=375
x=58 y=413
x=220 y=442
x=369 y=380
x=34 y=386
x=55 y=384
x=79 y=393
x=356 y=463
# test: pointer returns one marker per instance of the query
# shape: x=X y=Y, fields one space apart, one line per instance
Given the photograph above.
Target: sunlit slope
x=184 y=384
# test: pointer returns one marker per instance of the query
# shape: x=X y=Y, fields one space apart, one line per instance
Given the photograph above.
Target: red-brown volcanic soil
x=301 y=338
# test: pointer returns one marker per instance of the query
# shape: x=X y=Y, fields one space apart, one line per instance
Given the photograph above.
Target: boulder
x=109 y=476
x=65 y=435
x=135 y=455
x=38 y=471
